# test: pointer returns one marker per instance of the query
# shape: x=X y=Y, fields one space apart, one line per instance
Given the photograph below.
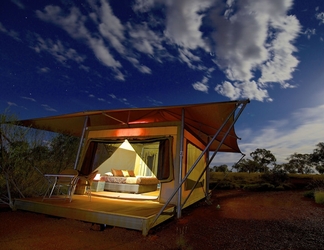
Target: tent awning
x=202 y=119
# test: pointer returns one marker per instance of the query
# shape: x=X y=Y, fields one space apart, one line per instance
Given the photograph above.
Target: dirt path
x=243 y=220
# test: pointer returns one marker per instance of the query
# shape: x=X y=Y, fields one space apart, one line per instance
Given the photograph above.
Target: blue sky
x=59 y=57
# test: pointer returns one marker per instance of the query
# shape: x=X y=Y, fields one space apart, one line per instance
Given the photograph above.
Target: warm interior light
x=126 y=145
x=129 y=132
x=97 y=178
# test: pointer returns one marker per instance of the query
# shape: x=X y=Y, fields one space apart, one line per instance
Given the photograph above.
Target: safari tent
x=172 y=145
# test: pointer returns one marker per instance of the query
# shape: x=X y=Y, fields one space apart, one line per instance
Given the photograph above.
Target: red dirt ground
x=244 y=220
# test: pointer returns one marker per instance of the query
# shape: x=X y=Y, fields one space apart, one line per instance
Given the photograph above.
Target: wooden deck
x=123 y=212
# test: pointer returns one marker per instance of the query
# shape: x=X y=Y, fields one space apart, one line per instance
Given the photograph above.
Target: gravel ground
x=235 y=220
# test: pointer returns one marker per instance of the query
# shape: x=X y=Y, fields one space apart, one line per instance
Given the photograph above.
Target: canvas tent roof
x=203 y=119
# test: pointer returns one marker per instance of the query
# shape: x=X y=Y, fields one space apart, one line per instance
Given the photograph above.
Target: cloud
x=255 y=38
x=248 y=89
x=183 y=22
x=120 y=99
x=153 y=102
x=111 y=28
x=309 y=33
x=48 y=108
x=251 y=42
x=282 y=63
x=57 y=49
x=74 y=24
x=18 y=3
x=203 y=84
x=299 y=133
x=44 y=70
x=110 y=35
x=12 y=104
x=320 y=16
x=13 y=34
x=183 y=19
x=28 y=98
x=229 y=90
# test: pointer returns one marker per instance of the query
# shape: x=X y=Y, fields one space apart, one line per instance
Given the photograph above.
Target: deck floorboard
x=128 y=213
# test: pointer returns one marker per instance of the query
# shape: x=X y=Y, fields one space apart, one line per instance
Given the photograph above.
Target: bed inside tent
x=125 y=167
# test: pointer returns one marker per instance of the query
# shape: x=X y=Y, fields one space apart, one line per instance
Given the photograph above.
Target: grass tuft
x=319 y=197
x=310 y=194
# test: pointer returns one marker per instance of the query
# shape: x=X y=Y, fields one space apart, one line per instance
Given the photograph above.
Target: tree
x=289 y=168
x=25 y=155
x=300 y=162
x=317 y=157
x=13 y=154
x=248 y=165
x=221 y=168
x=63 y=150
x=264 y=158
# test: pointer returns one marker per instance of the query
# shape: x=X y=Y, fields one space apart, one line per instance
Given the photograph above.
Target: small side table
x=97 y=186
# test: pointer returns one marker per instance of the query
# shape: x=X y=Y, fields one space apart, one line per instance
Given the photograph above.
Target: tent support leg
x=201 y=155
x=180 y=163
x=81 y=142
x=216 y=151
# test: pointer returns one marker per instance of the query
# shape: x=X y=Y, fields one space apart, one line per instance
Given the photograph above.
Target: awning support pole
x=196 y=162
x=81 y=142
x=216 y=151
x=180 y=163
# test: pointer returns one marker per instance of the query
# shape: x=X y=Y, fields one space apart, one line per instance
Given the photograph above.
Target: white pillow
x=109 y=174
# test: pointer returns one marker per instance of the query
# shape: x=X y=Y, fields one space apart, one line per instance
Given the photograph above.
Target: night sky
x=59 y=57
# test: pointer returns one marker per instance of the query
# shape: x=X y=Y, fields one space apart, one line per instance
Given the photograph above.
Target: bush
x=280 y=188
x=319 y=197
x=251 y=187
x=316 y=184
x=288 y=186
x=275 y=178
x=226 y=185
x=259 y=187
x=310 y=194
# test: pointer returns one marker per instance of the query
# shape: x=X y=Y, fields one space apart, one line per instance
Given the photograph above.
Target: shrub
x=251 y=187
x=316 y=184
x=275 y=178
x=280 y=188
x=266 y=187
x=310 y=194
x=226 y=185
x=319 y=197
x=288 y=186
x=259 y=187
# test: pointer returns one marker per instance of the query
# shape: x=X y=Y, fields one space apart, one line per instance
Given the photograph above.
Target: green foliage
x=301 y=162
x=317 y=157
x=316 y=184
x=310 y=194
x=319 y=197
x=264 y=158
x=248 y=165
x=276 y=178
x=25 y=155
x=181 y=240
x=222 y=168
x=259 y=187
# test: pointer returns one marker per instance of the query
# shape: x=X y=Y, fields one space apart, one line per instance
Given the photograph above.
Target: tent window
x=150 y=157
x=193 y=153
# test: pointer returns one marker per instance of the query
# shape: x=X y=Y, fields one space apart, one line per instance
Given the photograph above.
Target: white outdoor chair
x=86 y=181
x=66 y=184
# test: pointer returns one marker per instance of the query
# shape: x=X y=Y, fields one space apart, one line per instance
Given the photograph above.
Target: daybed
x=130 y=183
